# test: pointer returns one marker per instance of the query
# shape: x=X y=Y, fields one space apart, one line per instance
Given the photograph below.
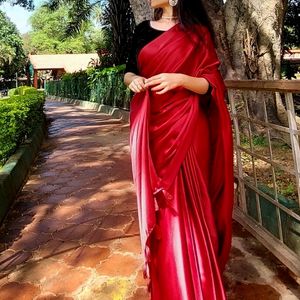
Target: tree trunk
x=141 y=10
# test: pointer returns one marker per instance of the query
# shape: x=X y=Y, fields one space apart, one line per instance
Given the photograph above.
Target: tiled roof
x=69 y=62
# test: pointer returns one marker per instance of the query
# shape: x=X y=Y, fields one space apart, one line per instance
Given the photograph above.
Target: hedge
x=19 y=115
x=22 y=90
x=104 y=86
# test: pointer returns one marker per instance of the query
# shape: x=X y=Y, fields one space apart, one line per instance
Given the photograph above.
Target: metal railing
x=267 y=164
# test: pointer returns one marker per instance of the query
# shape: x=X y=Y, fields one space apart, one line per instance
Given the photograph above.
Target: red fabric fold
x=182 y=162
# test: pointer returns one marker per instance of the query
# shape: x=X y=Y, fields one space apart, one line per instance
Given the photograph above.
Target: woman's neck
x=168 y=12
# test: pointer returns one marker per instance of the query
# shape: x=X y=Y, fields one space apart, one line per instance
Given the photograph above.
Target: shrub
x=22 y=90
x=19 y=116
x=103 y=86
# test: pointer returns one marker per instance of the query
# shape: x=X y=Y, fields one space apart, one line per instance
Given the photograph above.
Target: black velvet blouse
x=143 y=35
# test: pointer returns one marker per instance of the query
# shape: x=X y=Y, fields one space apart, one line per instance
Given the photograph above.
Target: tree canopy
x=291 y=33
x=28 y=4
x=12 y=56
x=48 y=33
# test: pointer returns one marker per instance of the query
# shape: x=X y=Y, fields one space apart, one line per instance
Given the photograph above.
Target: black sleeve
x=131 y=64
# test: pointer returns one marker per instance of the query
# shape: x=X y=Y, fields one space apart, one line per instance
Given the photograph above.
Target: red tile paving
x=73 y=230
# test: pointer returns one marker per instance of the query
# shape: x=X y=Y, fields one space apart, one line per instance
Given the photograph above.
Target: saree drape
x=182 y=163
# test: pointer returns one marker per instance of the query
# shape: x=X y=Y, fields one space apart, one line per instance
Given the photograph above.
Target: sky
x=19 y=15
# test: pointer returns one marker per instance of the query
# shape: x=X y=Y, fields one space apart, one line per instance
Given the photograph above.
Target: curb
x=116 y=113
x=14 y=172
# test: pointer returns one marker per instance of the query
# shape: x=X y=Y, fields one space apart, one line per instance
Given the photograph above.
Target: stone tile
x=40 y=209
x=66 y=281
x=55 y=198
x=140 y=294
x=119 y=265
x=125 y=206
x=102 y=235
x=52 y=296
x=47 y=188
x=56 y=249
x=132 y=228
x=250 y=291
x=66 y=190
x=64 y=212
x=3 y=278
x=73 y=232
x=10 y=259
x=18 y=291
x=106 y=289
x=49 y=225
x=102 y=203
x=116 y=222
x=140 y=281
x=37 y=272
x=86 y=216
x=30 y=241
x=129 y=244
x=87 y=256
x=119 y=185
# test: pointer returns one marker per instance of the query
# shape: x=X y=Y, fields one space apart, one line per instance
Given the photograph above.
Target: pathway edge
x=114 y=112
x=14 y=172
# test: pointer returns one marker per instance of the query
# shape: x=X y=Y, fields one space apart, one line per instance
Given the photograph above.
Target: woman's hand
x=167 y=81
x=137 y=85
x=164 y=82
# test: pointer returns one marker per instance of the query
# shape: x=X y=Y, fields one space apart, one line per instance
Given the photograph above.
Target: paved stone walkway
x=73 y=231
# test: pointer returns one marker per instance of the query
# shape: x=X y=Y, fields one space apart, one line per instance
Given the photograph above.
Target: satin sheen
x=182 y=163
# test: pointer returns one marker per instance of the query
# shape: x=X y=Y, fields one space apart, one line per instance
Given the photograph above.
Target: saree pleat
x=184 y=249
x=181 y=149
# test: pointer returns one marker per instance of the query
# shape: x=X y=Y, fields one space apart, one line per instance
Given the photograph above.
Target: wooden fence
x=267 y=165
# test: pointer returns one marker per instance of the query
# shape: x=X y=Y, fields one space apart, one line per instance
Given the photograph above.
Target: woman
x=181 y=150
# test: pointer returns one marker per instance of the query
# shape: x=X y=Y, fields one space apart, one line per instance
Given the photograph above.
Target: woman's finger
x=153 y=82
x=163 y=91
x=153 y=78
x=159 y=87
x=133 y=88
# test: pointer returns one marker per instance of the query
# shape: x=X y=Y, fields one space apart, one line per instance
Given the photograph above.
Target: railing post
x=238 y=152
x=294 y=138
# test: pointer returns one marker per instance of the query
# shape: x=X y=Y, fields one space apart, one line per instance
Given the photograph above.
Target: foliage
x=22 y=90
x=48 y=34
x=117 y=18
x=28 y=4
x=104 y=86
x=119 y=24
x=19 y=115
x=291 y=31
x=12 y=56
x=288 y=70
x=95 y=74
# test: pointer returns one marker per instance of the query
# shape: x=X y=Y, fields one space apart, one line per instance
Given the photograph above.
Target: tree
x=117 y=18
x=119 y=24
x=12 y=56
x=291 y=32
x=48 y=34
x=28 y=4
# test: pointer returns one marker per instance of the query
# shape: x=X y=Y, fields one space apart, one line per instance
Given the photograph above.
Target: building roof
x=69 y=62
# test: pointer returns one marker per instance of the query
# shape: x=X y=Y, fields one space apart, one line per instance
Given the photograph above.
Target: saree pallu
x=182 y=163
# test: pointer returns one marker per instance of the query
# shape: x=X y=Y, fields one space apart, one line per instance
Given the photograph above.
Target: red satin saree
x=181 y=151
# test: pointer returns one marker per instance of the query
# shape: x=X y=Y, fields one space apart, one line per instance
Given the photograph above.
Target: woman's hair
x=189 y=12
